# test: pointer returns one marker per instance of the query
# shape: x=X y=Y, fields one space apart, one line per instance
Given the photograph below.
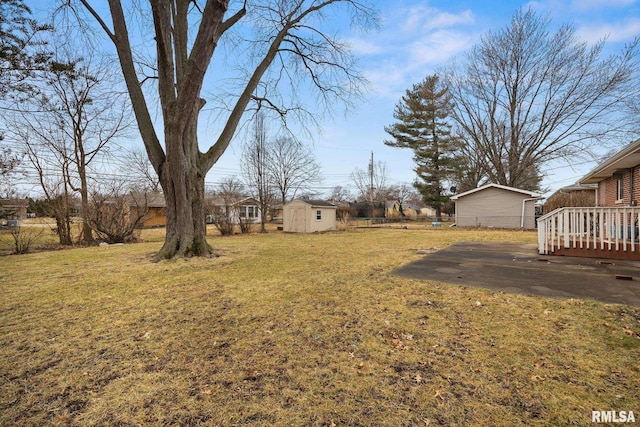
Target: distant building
x=241 y=210
x=572 y=196
x=152 y=205
x=12 y=211
x=309 y=216
x=496 y=206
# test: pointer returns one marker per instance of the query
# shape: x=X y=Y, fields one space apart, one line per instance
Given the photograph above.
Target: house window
x=619 y=189
x=251 y=212
x=318 y=215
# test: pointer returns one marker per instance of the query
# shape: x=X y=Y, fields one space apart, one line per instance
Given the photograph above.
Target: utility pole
x=371 y=185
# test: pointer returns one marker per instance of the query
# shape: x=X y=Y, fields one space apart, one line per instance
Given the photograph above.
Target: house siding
x=608 y=189
x=636 y=185
x=494 y=207
x=155 y=217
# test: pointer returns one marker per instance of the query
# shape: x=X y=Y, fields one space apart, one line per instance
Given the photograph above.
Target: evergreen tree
x=422 y=125
x=22 y=54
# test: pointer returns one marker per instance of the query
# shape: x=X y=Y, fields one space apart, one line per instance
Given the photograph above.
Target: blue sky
x=414 y=39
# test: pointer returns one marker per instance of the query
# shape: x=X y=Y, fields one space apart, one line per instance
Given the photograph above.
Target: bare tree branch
x=525 y=96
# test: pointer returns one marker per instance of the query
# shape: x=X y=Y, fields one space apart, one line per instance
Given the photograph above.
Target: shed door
x=297 y=220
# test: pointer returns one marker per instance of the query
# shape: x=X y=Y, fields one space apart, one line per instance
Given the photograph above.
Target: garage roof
x=502 y=187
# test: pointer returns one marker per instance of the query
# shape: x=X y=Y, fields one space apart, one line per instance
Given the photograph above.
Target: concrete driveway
x=518 y=268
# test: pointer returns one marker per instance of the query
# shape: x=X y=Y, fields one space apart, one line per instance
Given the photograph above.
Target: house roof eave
x=626 y=158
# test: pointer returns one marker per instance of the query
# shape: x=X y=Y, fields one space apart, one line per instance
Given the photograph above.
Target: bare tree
x=52 y=166
x=255 y=168
x=278 y=43
x=10 y=160
x=292 y=167
x=220 y=204
x=340 y=194
x=372 y=183
x=140 y=169
x=404 y=193
x=469 y=170
x=526 y=95
x=74 y=119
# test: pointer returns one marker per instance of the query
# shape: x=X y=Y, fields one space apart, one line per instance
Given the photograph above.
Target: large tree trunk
x=186 y=231
x=182 y=181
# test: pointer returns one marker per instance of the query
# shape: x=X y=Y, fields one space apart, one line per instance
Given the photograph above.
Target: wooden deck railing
x=598 y=231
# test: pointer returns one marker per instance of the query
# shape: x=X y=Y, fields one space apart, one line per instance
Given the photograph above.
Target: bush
x=245 y=225
x=23 y=238
x=115 y=218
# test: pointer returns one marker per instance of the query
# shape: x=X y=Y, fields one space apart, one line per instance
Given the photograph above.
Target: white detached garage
x=309 y=216
x=497 y=206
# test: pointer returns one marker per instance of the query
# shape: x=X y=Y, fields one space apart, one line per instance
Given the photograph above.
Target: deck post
x=565 y=228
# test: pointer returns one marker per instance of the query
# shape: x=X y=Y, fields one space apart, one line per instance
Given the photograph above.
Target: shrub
x=24 y=237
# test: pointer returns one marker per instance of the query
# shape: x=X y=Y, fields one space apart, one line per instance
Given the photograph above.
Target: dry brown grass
x=305 y=330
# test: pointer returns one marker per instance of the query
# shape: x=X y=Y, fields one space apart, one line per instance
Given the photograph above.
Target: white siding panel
x=494 y=207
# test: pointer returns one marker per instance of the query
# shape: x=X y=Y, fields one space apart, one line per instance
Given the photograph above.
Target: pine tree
x=22 y=54
x=422 y=125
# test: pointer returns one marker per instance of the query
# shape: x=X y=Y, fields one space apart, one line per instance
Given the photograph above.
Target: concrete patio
x=518 y=268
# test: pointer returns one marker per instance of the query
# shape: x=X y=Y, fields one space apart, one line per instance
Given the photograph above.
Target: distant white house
x=498 y=206
x=246 y=210
x=309 y=216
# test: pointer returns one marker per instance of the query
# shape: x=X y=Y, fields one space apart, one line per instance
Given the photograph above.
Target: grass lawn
x=299 y=330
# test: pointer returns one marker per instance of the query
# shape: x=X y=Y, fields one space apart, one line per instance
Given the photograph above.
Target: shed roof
x=530 y=194
x=316 y=203
x=626 y=158
x=14 y=203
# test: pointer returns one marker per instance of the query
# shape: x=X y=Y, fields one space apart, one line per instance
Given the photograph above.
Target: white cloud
x=583 y=5
x=362 y=47
x=388 y=80
x=411 y=44
x=561 y=7
x=615 y=32
x=438 y=47
x=422 y=18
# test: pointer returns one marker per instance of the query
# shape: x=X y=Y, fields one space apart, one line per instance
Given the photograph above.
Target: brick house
x=618 y=178
x=608 y=230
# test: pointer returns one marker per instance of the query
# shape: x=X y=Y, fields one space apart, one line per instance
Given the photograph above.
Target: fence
x=598 y=229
